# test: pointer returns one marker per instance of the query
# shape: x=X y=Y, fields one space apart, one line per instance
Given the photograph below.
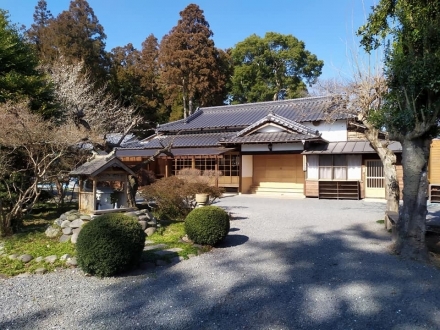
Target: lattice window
x=229 y=165
x=180 y=164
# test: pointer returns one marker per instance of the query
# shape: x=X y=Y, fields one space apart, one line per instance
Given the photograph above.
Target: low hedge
x=110 y=244
x=207 y=225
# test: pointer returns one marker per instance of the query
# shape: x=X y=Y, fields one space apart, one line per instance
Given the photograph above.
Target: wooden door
x=375 y=180
x=278 y=170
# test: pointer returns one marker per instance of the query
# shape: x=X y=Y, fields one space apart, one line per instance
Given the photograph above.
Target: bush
x=207 y=225
x=110 y=244
x=176 y=197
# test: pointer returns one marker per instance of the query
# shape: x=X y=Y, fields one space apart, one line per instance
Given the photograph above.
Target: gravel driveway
x=287 y=264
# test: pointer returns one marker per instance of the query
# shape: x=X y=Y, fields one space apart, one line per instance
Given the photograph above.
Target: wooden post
x=166 y=168
x=81 y=182
x=95 y=182
x=193 y=162
x=216 y=171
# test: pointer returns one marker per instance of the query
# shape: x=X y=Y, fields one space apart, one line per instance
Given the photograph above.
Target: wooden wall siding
x=434 y=163
x=355 y=136
x=311 y=188
x=278 y=168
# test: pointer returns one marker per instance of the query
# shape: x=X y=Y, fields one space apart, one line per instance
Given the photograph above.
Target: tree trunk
x=388 y=158
x=411 y=225
x=5 y=222
x=184 y=97
x=132 y=190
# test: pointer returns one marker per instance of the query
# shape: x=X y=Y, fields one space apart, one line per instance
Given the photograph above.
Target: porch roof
x=177 y=152
x=348 y=147
x=271 y=137
x=99 y=164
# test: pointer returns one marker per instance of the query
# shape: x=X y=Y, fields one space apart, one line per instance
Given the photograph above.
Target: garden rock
x=64 y=238
x=51 y=259
x=76 y=223
x=71 y=217
x=143 y=218
x=74 y=238
x=72 y=262
x=143 y=224
x=150 y=231
x=13 y=256
x=65 y=223
x=65 y=257
x=40 y=271
x=25 y=258
x=52 y=232
x=39 y=259
x=67 y=231
x=74 y=220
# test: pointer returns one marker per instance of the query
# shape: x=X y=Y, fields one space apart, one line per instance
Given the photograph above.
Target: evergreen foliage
x=191 y=66
x=207 y=225
x=19 y=77
x=110 y=244
x=274 y=67
x=411 y=109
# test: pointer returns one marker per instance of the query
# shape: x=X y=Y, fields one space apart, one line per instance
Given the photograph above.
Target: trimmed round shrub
x=207 y=225
x=110 y=244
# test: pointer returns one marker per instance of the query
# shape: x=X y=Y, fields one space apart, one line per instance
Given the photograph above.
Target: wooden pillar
x=166 y=168
x=81 y=182
x=95 y=183
x=216 y=171
x=193 y=162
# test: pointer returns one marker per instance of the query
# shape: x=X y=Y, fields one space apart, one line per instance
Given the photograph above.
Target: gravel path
x=287 y=264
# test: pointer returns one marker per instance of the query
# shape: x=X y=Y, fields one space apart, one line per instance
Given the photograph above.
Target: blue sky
x=326 y=26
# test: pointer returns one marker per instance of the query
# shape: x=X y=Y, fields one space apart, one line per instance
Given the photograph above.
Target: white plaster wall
x=247 y=166
x=270 y=129
x=332 y=132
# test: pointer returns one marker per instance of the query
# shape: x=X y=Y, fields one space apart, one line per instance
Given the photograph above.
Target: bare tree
x=88 y=105
x=361 y=95
x=30 y=149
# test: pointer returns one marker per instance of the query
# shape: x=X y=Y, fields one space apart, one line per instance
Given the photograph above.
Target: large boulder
x=52 y=232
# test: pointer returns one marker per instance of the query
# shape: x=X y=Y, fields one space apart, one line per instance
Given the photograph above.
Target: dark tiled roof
x=348 y=147
x=99 y=164
x=270 y=137
x=176 y=152
x=186 y=140
x=199 y=151
x=134 y=152
x=242 y=115
x=284 y=122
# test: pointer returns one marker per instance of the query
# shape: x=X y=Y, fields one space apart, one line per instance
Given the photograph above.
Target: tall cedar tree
x=411 y=109
x=75 y=34
x=39 y=33
x=190 y=63
x=274 y=67
x=152 y=96
x=135 y=76
x=19 y=77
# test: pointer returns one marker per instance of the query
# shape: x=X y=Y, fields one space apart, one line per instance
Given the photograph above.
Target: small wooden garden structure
x=103 y=185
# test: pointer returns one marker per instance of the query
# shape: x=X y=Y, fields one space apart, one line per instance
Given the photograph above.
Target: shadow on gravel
x=232 y=240
x=337 y=279
x=23 y=322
